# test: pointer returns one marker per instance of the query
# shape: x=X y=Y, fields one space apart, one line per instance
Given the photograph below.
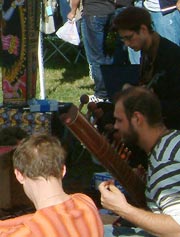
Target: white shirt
x=152 y=5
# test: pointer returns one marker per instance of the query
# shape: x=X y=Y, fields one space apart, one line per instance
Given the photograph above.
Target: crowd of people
x=138 y=106
x=97 y=17
x=144 y=31
x=146 y=115
x=160 y=60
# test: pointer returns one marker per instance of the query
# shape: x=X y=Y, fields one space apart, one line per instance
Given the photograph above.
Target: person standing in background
x=166 y=18
x=96 y=18
x=160 y=60
x=64 y=9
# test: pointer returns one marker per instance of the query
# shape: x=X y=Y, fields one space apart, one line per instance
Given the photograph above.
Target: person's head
x=134 y=25
x=134 y=108
x=39 y=156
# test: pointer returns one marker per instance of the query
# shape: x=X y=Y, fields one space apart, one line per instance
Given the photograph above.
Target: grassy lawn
x=66 y=82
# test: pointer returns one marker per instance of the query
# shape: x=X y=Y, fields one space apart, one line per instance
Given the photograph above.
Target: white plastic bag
x=68 y=32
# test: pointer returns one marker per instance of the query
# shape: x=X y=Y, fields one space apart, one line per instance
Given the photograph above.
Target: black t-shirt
x=98 y=7
x=124 y=3
x=166 y=81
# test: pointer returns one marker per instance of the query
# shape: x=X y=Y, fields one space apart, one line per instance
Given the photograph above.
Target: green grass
x=67 y=82
x=64 y=82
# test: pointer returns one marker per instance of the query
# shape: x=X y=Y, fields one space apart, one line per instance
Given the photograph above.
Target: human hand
x=112 y=198
x=19 y=2
x=71 y=15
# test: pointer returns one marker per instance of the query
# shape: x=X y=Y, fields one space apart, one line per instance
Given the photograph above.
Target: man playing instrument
x=139 y=121
x=160 y=60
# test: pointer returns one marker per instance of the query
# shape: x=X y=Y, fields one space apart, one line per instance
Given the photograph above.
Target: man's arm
x=74 y=6
x=157 y=224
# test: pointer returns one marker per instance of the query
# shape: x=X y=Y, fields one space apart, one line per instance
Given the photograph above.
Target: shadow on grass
x=73 y=70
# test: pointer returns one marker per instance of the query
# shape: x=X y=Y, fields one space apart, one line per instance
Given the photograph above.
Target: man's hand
x=74 y=6
x=111 y=197
x=71 y=15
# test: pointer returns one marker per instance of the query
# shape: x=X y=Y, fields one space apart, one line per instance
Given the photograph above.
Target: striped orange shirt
x=76 y=217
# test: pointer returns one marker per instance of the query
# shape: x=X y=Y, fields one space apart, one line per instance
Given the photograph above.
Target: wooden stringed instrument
x=99 y=146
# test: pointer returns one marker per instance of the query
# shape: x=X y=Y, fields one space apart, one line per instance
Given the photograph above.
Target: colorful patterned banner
x=19 y=37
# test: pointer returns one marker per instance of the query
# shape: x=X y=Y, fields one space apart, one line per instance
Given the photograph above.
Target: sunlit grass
x=66 y=82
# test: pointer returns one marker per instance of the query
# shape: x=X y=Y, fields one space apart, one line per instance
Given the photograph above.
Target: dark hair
x=131 y=18
x=142 y=100
x=39 y=155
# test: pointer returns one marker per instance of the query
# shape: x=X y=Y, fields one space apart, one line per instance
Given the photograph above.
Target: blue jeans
x=94 y=32
x=167 y=25
x=64 y=9
x=110 y=231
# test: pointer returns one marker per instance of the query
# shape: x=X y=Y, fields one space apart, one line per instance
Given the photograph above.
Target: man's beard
x=131 y=136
